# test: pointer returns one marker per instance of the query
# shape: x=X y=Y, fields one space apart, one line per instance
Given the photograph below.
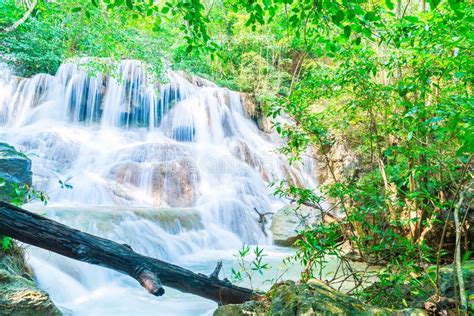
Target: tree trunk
x=151 y=273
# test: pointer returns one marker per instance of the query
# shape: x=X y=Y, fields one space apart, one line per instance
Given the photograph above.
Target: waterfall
x=173 y=169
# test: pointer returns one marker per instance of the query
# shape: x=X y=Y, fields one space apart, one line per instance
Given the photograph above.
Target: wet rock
x=312 y=298
x=288 y=221
x=255 y=112
x=155 y=153
x=249 y=308
x=59 y=152
x=241 y=150
x=15 y=169
x=108 y=218
x=170 y=183
x=18 y=293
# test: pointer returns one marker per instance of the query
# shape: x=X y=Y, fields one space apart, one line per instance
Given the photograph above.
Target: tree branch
x=27 y=14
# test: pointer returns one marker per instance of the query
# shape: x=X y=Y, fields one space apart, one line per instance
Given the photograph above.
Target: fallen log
x=151 y=273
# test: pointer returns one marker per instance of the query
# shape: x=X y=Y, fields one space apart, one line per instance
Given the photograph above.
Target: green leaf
x=347 y=31
x=370 y=16
x=76 y=9
x=129 y=4
x=433 y=4
x=165 y=10
x=389 y=4
x=412 y=19
x=338 y=17
x=6 y=243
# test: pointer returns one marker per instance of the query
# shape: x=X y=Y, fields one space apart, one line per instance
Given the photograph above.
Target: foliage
x=21 y=194
x=249 y=264
x=58 y=31
x=398 y=90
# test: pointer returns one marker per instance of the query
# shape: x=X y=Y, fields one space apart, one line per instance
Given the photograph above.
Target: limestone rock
x=341 y=159
x=170 y=183
x=241 y=150
x=288 y=221
x=15 y=169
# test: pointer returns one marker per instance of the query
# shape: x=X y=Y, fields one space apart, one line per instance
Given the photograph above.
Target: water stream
x=174 y=170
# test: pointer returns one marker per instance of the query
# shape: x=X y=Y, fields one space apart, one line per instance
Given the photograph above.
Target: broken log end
x=151 y=283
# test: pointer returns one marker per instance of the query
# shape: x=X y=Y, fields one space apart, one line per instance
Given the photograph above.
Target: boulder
x=311 y=298
x=18 y=294
x=15 y=170
x=289 y=221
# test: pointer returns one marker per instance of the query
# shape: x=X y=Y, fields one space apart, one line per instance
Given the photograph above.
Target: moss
x=18 y=292
x=312 y=298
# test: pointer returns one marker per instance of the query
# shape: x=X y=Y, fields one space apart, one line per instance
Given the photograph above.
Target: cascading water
x=174 y=170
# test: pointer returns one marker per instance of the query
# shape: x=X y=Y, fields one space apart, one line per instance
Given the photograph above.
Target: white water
x=130 y=148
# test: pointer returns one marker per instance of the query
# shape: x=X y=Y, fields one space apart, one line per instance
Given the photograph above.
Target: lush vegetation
x=391 y=82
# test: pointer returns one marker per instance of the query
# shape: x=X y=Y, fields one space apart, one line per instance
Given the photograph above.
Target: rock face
x=342 y=160
x=165 y=172
x=15 y=169
x=241 y=150
x=18 y=293
x=288 y=221
x=312 y=298
x=255 y=112
x=171 y=183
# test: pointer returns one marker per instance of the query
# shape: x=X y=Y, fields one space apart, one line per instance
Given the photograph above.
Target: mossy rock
x=19 y=295
x=15 y=169
x=312 y=298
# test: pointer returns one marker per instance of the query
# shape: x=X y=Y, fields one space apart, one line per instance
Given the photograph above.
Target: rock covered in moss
x=253 y=308
x=312 y=298
x=19 y=295
x=15 y=169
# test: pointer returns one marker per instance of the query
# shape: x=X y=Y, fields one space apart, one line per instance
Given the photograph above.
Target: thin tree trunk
x=457 y=254
x=15 y=25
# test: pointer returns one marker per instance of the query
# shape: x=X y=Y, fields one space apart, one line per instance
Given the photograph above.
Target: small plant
x=248 y=268
x=20 y=195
